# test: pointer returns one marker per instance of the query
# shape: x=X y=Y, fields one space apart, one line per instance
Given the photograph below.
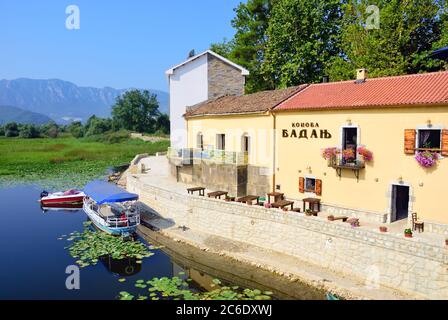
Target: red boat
x=61 y=198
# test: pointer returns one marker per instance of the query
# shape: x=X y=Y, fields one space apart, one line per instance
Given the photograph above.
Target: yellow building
x=395 y=119
x=230 y=143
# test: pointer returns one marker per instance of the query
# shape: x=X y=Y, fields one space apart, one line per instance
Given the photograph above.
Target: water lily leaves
x=89 y=246
x=176 y=289
x=121 y=280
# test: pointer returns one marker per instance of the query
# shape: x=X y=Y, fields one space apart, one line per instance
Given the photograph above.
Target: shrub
x=11 y=133
x=29 y=132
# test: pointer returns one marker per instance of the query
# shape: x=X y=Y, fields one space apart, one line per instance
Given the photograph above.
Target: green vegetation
x=290 y=42
x=138 y=111
x=89 y=246
x=177 y=289
x=67 y=161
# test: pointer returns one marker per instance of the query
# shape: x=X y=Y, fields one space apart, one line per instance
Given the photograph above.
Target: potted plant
x=427 y=159
x=366 y=154
x=309 y=212
x=408 y=233
x=348 y=155
x=267 y=205
x=383 y=229
x=330 y=218
x=330 y=154
x=446 y=242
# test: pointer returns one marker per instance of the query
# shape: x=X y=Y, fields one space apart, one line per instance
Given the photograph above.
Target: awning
x=103 y=192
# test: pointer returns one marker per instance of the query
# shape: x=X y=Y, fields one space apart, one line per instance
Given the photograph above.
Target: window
x=350 y=138
x=310 y=185
x=429 y=139
x=200 y=141
x=221 y=141
x=245 y=143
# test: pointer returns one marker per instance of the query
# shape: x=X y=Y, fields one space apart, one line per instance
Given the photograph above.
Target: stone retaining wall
x=408 y=265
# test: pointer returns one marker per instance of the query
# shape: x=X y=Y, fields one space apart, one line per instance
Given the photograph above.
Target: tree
x=163 y=123
x=302 y=37
x=98 y=126
x=29 y=131
x=248 y=45
x=50 y=129
x=11 y=130
x=76 y=130
x=406 y=36
x=136 y=111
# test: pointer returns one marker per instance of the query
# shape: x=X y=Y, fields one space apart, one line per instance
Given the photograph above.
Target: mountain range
x=64 y=101
x=14 y=114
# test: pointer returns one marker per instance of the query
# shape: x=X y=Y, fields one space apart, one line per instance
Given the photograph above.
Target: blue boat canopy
x=441 y=53
x=103 y=192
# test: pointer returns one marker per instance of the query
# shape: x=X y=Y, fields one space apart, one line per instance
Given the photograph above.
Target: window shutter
x=302 y=185
x=318 y=190
x=444 y=142
x=409 y=141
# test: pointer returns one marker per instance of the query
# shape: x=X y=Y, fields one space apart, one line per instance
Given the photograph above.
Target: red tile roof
x=409 y=90
x=250 y=103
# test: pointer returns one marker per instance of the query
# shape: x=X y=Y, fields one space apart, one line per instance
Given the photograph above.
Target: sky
x=120 y=44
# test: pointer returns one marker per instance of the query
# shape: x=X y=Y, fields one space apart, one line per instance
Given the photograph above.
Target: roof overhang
x=244 y=71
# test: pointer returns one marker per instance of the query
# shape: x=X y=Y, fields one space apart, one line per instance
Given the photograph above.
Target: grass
x=74 y=161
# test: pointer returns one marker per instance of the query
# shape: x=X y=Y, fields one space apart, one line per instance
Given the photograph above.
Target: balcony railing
x=189 y=155
x=339 y=163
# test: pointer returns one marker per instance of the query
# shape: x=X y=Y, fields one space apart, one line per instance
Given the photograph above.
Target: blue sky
x=120 y=43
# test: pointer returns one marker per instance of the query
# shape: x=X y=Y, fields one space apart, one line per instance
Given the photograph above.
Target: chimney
x=325 y=79
x=361 y=75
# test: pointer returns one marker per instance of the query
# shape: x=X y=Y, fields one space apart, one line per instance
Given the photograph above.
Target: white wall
x=188 y=86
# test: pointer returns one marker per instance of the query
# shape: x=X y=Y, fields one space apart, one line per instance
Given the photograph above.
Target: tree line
x=289 y=42
x=134 y=111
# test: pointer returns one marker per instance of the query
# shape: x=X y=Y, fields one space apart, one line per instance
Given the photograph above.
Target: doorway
x=400 y=202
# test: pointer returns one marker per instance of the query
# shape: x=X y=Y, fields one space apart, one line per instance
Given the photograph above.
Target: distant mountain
x=64 y=101
x=14 y=114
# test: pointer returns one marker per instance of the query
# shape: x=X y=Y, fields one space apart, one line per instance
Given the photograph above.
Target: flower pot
x=330 y=218
x=383 y=229
x=408 y=235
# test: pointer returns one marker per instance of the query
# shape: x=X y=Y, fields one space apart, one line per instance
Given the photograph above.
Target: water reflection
x=123 y=267
x=61 y=207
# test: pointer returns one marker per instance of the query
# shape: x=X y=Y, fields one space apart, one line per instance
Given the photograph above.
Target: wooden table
x=201 y=190
x=217 y=194
x=313 y=203
x=282 y=204
x=277 y=196
x=249 y=199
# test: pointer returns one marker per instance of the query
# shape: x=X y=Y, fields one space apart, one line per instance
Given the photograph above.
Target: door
x=400 y=202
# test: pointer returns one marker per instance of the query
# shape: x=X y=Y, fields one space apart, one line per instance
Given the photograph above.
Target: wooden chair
x=417 y=224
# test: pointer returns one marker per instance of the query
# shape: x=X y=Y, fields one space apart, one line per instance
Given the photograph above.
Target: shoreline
x=291 y=269
x=351 y=263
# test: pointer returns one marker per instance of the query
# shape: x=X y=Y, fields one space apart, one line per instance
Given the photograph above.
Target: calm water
x=33 y=260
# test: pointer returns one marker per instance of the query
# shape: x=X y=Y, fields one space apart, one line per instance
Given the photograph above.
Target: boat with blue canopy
x=111 y=208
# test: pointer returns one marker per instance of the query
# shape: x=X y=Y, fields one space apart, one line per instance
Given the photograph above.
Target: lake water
x=33 y=260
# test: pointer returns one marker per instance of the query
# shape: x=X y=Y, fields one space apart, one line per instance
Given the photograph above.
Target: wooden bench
x=283 y=204
x=276 y=195
x=249 y=199
x=333 y=218
x=201 y=190
x=217 y=194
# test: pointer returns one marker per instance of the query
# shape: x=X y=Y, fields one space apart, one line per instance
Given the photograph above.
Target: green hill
x=14 y=114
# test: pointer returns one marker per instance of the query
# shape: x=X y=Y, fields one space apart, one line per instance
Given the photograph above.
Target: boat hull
x=102 y=225
x=59 y=200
